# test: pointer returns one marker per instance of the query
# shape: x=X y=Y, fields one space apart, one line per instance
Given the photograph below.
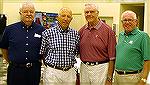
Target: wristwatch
x=109 y=79
x=144 y=80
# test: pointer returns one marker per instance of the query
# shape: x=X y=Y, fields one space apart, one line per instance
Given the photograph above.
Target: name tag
x=37 y=35
x=131 y=42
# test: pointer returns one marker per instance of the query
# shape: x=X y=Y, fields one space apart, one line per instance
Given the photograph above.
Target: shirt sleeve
x=4 y=43
x=146 y=47
x=77 y=43
x=112 y=45
x=44 y=43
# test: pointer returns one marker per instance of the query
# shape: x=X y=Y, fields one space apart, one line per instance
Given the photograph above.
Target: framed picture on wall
x=38 y=18
x=51 y=20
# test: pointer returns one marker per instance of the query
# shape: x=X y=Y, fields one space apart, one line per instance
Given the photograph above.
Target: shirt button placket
x=26 y=44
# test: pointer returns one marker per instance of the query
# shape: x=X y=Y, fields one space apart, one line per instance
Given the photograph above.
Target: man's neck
x=92 y=24
x=27 y=25
x=64 y=28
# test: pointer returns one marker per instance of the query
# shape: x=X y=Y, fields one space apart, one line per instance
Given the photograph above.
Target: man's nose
x=29 y=13
x=65 y=18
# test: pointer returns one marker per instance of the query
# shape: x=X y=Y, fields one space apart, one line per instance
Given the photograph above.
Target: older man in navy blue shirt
x=20 y=45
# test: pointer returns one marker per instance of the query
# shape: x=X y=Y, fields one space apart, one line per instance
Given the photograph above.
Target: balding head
x=27 y=5
x=27 y=12
x=128 y=13
x=65 y=9
x=93 y=6
x=91 y=14
x=129 y=21
x=64 y=17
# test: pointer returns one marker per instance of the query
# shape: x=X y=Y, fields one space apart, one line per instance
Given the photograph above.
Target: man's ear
x=19 y=12
x=56 y=17
x=137 y=22
x=71 y=18
x=97 y=12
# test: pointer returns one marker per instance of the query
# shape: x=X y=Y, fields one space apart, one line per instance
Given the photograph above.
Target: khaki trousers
x=53 y=76
x=93 y=75
x=128 y=79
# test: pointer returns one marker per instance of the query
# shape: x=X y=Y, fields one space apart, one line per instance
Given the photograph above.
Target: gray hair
x=129 y=12
x=92 y=5
x=26 y=4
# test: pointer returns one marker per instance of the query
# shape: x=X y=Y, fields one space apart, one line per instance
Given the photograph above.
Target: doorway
x=138 y=8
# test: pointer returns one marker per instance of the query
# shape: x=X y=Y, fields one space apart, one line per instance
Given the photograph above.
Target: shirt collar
x=133 y=32
x=97 y=26
x=61 y=30
x=25 y=26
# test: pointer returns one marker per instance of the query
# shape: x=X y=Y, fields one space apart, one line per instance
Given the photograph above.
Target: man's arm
x=145 y=72
x=110 y=72
x=5 y=54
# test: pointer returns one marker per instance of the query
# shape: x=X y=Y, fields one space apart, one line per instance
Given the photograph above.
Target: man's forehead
x=27 y=6
x=128 y=15
x=89 y=8
x=65 y=11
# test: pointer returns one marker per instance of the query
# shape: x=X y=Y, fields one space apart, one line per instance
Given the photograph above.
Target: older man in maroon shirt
x=97 y=49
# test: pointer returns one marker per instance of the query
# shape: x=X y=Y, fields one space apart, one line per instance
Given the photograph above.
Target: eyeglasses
x=86 y=12
x=127 y=20
x=26 y=12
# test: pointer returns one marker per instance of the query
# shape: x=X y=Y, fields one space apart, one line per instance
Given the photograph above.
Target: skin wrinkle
x=91 y=14
x=27 y=12
x=129 y=21
x=64 y=17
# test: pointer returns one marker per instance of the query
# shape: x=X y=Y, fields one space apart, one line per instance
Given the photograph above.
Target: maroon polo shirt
x=97 y=43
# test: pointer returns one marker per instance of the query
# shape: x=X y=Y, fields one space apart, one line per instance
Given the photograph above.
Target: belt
x=94 y=63
x=24 y=65
x=61 y=68
x=128 y=72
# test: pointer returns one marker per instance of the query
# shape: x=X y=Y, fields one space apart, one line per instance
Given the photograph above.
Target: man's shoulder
x=50 y=30
x=14 y=25
x=144 y=34
x=73 y=30
x=37 y=26
x=139 y=32
x=121 y=33
x=106 y=26
x=82 y=28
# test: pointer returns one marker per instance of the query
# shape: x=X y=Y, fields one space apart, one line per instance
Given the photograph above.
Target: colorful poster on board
x=38 y=18
x=51 y=19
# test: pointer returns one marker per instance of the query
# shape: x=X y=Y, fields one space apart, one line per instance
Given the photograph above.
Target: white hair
x=26 y=4
x=129 y=12
x=92 y=5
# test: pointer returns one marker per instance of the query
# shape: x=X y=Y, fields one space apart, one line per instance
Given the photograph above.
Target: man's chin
x=28 y=23
x=90 y=21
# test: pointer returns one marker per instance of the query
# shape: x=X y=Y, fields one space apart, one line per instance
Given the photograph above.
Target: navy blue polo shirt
x=23 y=43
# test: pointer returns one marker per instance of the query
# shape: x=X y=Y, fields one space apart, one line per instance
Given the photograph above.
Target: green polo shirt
x=132 y=50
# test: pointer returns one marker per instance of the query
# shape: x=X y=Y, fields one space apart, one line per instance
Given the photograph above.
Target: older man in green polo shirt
x=132 y=53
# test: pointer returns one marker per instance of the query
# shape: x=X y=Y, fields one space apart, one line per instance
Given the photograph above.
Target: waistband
x=25 y=65
x=95 y=63
x=128 y=72
x=60 y=68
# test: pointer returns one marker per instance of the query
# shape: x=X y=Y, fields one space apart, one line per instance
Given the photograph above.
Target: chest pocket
x=36 y=39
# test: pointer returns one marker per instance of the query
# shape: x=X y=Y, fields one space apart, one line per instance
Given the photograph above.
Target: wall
x=11 y=8
x=135 y=7
x=147 y=17
x=1 y=6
